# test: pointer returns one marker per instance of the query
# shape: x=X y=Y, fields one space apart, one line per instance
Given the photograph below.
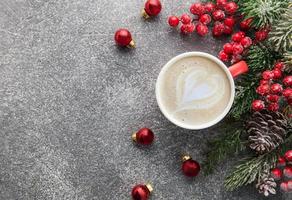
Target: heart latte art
x=195 y=90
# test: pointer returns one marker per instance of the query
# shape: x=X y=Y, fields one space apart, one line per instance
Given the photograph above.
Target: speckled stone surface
x=70 y=99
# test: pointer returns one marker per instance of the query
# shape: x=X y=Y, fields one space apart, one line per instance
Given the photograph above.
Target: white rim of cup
x=191 y=54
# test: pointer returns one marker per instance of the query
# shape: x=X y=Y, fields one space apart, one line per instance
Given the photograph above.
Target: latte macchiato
x=194 y=90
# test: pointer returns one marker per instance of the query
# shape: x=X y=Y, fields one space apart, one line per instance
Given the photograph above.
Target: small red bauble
x=218 y=15
x=231 y=7
x=187 y=28
x=258 y=105
x=223 y=56
x=279 y=65
x=245 y=25
x=209 y=7
x=277 y=73
x=202 y=29
x=141 y=192
x=287 y=93
x=273 y=107
x=246 y=42
x=229 y=21
x=124 y=38
x=267 y=75
x=197 y=9
x=263 y=82
x=288 y=156
x=273 y=98
x=263 y=89
x=227 y=30
x=221 y=3
x=144 y=136
x=205 y=19
x=276 y=88
x=237 y=37
x=237 y=48
x=276 y=174
x=228 y=48
x=190 y=168
x=218 y=29
x=173 y=21
x=287 y=172
x=185 y=19
x=281 y=162
x=287 y=81
x=152 y=8
x=262 y=34
x=284 y=186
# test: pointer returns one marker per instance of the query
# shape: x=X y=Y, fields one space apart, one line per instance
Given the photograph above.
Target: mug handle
x=238 y=68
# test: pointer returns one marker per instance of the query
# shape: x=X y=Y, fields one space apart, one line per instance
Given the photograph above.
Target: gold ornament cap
x=186 y=157
x=134 y=137
x=132 y=44
x=144 y=14
x=149 y=187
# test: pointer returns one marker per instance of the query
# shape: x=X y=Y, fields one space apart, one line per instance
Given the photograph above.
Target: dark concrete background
x=70 y=99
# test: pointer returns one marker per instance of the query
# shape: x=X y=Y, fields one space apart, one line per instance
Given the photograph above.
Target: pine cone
x=267 y=130
x=267 y=185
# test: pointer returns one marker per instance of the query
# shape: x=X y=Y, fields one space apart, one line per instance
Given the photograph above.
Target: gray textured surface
x=70 y=99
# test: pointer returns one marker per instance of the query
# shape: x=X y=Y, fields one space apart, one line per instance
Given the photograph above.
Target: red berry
x=140 y=192
x=276 y=88
x=197 y=9
x=276 y=174
x=258 y=105
x=229 y=21
x=287 y=93
x=289 y=100
x=246 y=42
x=218 y=15
x=187 y=28
x=245 y=25
x=209 y=7
x=237 y=48
x=273 y=107
x=263 y=89
x=123 y=37
x=173 y=21
x=267 y=75
x=237 y=37
x=185 y=19
x=191 y=168
x=153 y=7
x=287 y=81
x=279 y=65
x=273 y=98
x=288 y=156
x=205 y=19
x=262 y=34
x=277 y=73
x=227 y=30
x=221 y=3
x=223 y=56
x=228 y=48
x=218 y=29
x=144 y=136
x=263 y=82
x=288 y=172
x=281 y=162
x=236 y=58
x=231 y=7
x=202 y=29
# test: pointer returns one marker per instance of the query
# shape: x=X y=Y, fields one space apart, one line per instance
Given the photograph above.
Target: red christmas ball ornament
x=185 y=19
x=151 y=8
x=237 y=37
x=281 y=162
x=229 y=21
x=218 y=15
x=263 y=89
x=287 y=81
x=237 y=48
x=246 y=42
x=273 y=98
x=187 y=28
x=218 y=29
x=205 y=19
x=221 y=3
x=262 y=34
x=284 y=186
x=287 y=93
x=190 y=168
x=173 y=21
x=202 y=29
x=258 y=105
x=264 y=82
x=267 y=75
x=231 y=7
x=141 y=192
x=276 y=88
x=279 y=65
x=124 y=38
x=273 y=107
x=288 y=172
x=228 y=30
x=223 y=56
x=277 y=73
x=197 y=9
x=245 y=25
x=228 y=48
x=209 y=7
x=276 y=174
x=288 y=156
x=144 y=136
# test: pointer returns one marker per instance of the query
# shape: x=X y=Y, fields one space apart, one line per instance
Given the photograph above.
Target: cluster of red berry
x=283 y=172
x=235 y=48
x=271 y=89
x=202 y=19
